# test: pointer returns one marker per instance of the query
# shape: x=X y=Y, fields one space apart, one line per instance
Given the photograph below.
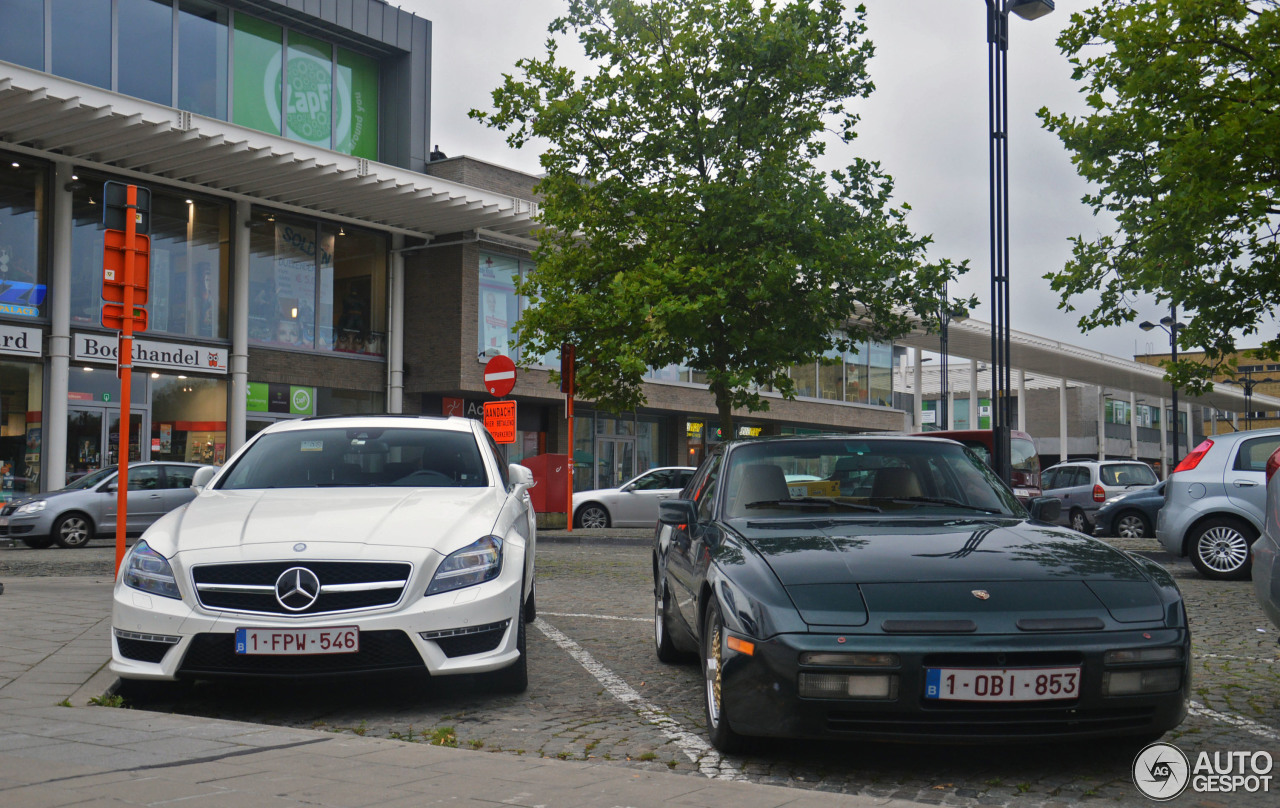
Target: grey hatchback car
x=1215 y=502
x=1084 y=485
x=73 y=515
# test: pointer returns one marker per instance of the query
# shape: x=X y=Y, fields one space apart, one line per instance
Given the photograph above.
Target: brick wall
x=479 y=174
x=322 y=370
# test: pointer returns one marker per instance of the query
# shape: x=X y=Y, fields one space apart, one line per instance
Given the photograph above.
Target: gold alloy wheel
x=713 y=677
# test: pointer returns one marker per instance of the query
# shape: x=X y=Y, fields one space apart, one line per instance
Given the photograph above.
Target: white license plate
x=4 y=521
x=298 y=641
x=1002 y=684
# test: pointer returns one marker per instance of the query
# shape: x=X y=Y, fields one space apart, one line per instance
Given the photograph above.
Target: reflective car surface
x=1130 y=516
x=338 y=546
x=1215 y=502
x=1266 y=550
x=1024 y=462
x=929 y=605
x=632 y=504
x=73 y=515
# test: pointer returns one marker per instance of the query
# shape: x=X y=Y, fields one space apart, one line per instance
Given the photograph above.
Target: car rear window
x=1127 y=474
x=359 y=457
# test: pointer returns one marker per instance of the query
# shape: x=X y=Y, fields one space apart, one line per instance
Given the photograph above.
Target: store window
x=856 y=375
x=315 y=288
x=145 y=66
x=805 y=378
x=831 y=376
x=22 y=239
x=21 y=429
x=308 y=91
x=356 y=106
x=202 y=59
x=880 y=374
x=271 y=401
x=257 y=80
x=22 y=33
x=500 y=309
x=188 y=419
x=189 y=263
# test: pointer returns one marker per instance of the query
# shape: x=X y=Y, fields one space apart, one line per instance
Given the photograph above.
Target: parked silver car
x=1215 y=501
x=1082 y=486
x=632 y=504
x=73 y=515
x=1266 y=550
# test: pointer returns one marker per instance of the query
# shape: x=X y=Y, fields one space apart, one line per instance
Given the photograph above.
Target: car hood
x=855 y=573
x=437 y=518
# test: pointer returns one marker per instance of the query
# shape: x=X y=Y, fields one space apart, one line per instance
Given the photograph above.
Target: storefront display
x=23 y=190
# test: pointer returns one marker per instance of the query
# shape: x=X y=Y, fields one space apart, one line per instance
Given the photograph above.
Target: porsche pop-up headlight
x=474 y=564
x=147 y=570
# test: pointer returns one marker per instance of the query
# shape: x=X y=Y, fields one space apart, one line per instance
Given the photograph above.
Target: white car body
x=635 y=502
x=412 y=528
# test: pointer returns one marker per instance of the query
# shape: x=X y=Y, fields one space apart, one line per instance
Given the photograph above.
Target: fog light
x=1128 y=683
x=1142 y=655
x=849 y=660
x=845 y=686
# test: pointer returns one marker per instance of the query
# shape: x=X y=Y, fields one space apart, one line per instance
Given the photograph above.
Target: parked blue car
x=1130 y=516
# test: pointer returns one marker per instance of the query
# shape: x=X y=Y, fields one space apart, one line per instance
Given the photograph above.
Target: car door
x=176 y=485
x=687 y=543
x=1245 y=479
x=145 y=502
x=637 y=501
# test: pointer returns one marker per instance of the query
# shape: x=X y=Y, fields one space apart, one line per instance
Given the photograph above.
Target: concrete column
x=973 y=394
x=395 y=329
x=1102 y=424
x=1022 y=399
x=54 y=452
x=1186 y=435
x=238 y=389
x=1164 y=440
x=1062 y=420
x=1133 y=425
x=917 y=384
x=951 y=408
x=1213 y=420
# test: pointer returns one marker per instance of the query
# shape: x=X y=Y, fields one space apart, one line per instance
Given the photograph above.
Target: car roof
x=452 y=423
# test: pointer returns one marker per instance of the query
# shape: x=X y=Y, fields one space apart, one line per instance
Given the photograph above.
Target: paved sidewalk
x=58 y=750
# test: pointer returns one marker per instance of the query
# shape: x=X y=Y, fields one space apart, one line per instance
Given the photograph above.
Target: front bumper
x=470 y=630
x=761 y=694
x=1266 y=576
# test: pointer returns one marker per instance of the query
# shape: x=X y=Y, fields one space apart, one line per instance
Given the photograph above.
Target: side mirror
x=1046 y=509
x=677 y=512
x=110 y=488
x=202 y=477
x=520 y=475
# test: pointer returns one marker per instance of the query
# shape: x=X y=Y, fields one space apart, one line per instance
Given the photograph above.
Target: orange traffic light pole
x=124 y=360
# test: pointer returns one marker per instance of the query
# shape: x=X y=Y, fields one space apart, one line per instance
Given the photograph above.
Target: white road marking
x=694 y=747
x=598 y=616
x=1235 y=658
x=1253 y=727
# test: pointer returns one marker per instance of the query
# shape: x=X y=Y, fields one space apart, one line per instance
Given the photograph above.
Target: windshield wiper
x=811 y=503
x=951 y=502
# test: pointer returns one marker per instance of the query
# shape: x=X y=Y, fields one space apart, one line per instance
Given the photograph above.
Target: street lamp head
x=1166 y=321
x=1029 y=9
x=1146 y=325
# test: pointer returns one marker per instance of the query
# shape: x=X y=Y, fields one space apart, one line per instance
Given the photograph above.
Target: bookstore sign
x=152 y=354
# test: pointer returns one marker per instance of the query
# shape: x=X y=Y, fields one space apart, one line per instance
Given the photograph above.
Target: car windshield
x=359 y=457
x=91 y=479
x=1127 y=474
x=857 y=477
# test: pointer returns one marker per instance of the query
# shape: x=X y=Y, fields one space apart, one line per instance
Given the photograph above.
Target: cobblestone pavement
x=597 y=692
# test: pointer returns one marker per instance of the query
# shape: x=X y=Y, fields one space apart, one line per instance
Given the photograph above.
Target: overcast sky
x=927 y=123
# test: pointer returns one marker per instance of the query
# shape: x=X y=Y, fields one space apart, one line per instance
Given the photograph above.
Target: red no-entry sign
x=499 y=376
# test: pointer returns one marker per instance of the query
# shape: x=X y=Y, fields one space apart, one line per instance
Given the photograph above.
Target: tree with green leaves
x=1182 y=141
x=684 y=220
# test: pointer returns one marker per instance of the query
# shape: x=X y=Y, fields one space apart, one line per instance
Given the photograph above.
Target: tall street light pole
x=998 y=113
x=1170 y=325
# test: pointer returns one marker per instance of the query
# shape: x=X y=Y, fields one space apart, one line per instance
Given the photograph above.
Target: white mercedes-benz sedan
x=338 y=546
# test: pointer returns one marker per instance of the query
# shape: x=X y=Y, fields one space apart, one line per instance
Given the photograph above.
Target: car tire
x=37 y=542
x=720 y=733
x=591 y=516
x=1131 y=525
x=515 y=677
x=530 y=608
x=1080 y=523
x=665 y=648
x=72 y=530
x=1219 y=548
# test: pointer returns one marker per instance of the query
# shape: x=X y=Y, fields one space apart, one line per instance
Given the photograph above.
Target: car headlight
x=474 y=564
x=147 y=570
x=33 y=507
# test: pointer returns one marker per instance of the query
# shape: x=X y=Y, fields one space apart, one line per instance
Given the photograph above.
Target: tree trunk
x=724 y=407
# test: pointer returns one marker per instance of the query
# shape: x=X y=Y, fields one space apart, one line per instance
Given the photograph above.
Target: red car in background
x=1024 y=460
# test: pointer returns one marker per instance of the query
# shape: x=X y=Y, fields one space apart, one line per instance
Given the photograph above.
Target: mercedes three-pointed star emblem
x=297 y=588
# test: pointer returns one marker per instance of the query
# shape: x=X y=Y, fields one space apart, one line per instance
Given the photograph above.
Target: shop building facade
x=308 y=256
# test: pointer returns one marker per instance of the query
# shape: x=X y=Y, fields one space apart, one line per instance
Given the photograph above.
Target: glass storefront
x=271 y=402
x=202 y=60
x=21 y=428
x=22 y=33
x=314 y=288
x=188 y=419
x=500 y=308
x=189 y=265
x=23 y=190
x=146 y=35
